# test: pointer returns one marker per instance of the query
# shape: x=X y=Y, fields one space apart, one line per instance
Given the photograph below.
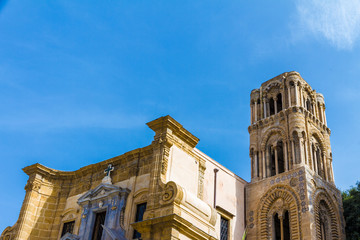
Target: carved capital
x=32 y=186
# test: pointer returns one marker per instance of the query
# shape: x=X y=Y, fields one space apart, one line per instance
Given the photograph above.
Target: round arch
x=320 y=195
x=271 y=132
x=290 y=202
x=315 y=133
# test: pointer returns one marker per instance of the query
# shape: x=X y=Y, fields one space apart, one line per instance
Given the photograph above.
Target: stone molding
x=168 y=125
x=172 y=221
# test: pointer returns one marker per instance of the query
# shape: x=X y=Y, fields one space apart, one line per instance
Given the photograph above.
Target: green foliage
x=351 y=203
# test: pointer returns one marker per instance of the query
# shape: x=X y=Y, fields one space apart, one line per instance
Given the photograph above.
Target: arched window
x=272 y=106
x=286 y=226
x=296 y=148
x=281 y=227
x=324 y=221
x=318 y=159
x=272 y=161
x=277 y=227
x=279 y=102
x=308 y=105
x=280 y=155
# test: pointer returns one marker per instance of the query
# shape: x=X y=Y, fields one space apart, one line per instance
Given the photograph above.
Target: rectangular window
x=98 y=229
x=224 y=229
x=140 y=209
x=68 y=227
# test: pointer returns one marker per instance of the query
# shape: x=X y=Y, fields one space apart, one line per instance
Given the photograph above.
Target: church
x=171 y=190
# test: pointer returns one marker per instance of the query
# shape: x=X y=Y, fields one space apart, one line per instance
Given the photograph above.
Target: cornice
x=268 y=121
x=58 y=174
x=160 y=126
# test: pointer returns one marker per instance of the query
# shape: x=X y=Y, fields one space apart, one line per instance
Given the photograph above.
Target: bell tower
x=292 y=194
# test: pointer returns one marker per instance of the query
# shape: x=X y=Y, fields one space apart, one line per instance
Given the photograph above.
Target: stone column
x=324 y=116
x=325 y=166
x=311 y=156
x=265 y=105
x=275 y=105
x=293 y=152
x=315 y=161
x=263 y=164
x=321 y=114
x=285 y=157
x=317 y=110
x=281 y=228
x=268 y=173
x=289 y=95
x=283 y=99
x=256 y=165
x=276 y=161
x=252 y=113
x=302 y=99
x=268 y=108
x=256 y=111
x=300 y=96
x=252 y=167
x=321 y=164
x=296 y=95
x=301 y=150
x=306 y=152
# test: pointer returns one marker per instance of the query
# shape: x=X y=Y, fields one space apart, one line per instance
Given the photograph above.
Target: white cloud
x=338 y=21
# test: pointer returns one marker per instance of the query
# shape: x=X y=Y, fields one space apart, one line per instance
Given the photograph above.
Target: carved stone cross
x=109 y=169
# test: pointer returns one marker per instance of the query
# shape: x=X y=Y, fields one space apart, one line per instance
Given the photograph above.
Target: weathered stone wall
x=291 y=162
x=175 y=179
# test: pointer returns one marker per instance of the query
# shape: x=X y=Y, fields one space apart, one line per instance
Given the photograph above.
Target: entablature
x=268 y=121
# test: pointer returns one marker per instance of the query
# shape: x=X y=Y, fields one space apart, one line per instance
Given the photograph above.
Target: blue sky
x=79 y=79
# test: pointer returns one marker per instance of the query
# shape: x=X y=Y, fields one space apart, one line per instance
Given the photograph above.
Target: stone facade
x=185 y=194
x=292 y=194
x=173 y=178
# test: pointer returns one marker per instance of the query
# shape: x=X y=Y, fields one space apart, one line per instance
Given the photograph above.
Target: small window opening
x=308 y=105
x=140 y=210
x=272 y=161
x=272 y=106
x=224 y=229
x=277 y=227
x=286 y=226
x=281 y=162
x=279 y=102
x=68 y=227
